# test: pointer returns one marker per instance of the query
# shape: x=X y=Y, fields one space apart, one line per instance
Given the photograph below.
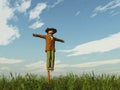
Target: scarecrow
x=50 y=46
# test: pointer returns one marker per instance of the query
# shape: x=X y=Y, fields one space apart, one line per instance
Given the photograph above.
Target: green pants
x=50 y=60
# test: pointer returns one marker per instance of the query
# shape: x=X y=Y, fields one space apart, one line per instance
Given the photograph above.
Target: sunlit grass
x=68 y=82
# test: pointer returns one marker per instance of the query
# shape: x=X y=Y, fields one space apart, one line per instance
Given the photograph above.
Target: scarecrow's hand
x=63 y=41
x=34 y=35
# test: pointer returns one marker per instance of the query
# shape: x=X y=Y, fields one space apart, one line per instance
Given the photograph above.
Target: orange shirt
x=50 y=41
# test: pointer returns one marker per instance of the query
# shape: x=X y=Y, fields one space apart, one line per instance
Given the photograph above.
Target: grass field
x=68 y=82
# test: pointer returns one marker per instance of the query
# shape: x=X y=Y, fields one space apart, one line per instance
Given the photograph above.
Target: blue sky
x=90 y=29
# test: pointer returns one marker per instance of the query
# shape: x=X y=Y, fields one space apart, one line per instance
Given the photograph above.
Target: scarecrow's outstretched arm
x=60 y=40
x=39 y=35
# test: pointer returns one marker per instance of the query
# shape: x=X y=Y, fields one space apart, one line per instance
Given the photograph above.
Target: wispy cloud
x=36 y=25
x=109 y=6
x=77 y=13
x=93 y=15
x=9 y=61
x=39 y=64
x=88 y=64
x=8 y=33
x=114 y=14
x=35 y=65
x=35 y=13
x=96 y=63
x=56 y=3
x=39 y=67
x=4 y=68
x=62 y=68
x=23 y=5
x=103 y=45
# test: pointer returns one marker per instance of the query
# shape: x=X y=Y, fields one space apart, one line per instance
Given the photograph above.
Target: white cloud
x=7 y=33
x=93 y=15
x=113 y=13
x=109 y=6
x=88 y=64
x=62 y=68
x=96 y=63
x=116 y=13
x=4 y=69
x=57 y=62
x=35 y=13
x=40 y=68
x=36 y=65
x=36 y=25
x=103 y=45
x=42 y=65
x=9 y=61
x=23 y=5
x=77 y=13
x=56 y=3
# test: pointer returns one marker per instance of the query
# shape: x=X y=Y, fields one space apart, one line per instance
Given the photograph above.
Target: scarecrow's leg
x=48 y=60
x=52 y=59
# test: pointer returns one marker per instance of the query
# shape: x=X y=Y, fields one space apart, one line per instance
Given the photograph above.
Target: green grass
x=68 y=82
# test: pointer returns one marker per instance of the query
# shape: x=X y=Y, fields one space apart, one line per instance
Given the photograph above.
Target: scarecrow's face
x=50 y=32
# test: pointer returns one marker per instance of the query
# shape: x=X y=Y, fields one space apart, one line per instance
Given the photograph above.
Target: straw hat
x=49 y=29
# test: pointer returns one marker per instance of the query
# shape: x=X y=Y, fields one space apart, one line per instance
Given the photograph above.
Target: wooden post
x=48 y=76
